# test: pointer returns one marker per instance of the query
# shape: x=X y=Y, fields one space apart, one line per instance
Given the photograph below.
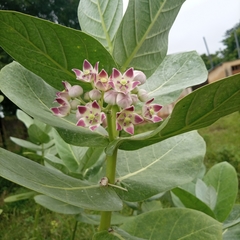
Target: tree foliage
x=230 y=51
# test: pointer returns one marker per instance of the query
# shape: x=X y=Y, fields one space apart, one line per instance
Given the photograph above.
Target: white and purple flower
x=150 y=111
x=90 y=116
x=126 y=119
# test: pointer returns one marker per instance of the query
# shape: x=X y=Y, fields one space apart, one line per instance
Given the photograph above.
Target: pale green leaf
x=176 y=72
x=50 y=50
x=57 y=185
x=22 y=116
x=191 y=201
x=153 y=169
x=232 y=225
x=35 y=97
x=206 y=194
x=223 y=178
x=142 y=38
x=26 y=144
x=1 y=99
x=172 y=224
x=101 y=19
x=19 y=197
x=36 y=135
x=56 y=205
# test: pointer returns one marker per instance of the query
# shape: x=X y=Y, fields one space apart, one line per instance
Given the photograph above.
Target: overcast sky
x=202 y=18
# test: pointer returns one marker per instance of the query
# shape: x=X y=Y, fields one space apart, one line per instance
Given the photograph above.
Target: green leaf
x=35 y=97
x=36 y=135
x=115 y=234
x=101 y=19
x=26 y=144
x=190 y=201
x=232 y=225
x=199 y=109
x=22 y=116
x=56 y=205
x=57 y=185
x=1 y=99
x=49 y=50
x=19 y=197
x=206 y=194
x=171 y=224
x=223 y=178
x=153 y=169
x=77 y=159
x=176 y=72
x=142 y=38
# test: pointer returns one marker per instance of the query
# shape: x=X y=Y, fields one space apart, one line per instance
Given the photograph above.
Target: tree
x=230 y=51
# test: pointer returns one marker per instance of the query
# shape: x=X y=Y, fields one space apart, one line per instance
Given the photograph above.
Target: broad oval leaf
x=22 y=116
x=56 y=205
x=223 y=178
x=142 y=38
x=35 y=97
x=172 y=224
x=48 y=49
x=101 y=19
x=151 y=170
x=176 y=72
x=57 y=185
x=199 y=109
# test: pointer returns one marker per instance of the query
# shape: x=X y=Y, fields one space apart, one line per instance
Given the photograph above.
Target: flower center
x=123 y=81
x=86 y=72
x=103 y=80
x=91 y=116
x=151 y=111
x=127 y=120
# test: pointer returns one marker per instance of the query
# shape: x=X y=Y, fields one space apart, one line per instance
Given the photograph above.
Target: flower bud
x=143 y=95
x=139 y=76
x=75 y=91
x=74 y=104
x=95 y=94
x=110 y=97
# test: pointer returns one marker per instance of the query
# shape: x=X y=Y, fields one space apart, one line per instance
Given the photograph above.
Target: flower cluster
x=117 y=89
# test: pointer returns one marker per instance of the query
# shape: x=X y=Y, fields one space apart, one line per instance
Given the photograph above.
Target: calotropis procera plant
x=105 y=162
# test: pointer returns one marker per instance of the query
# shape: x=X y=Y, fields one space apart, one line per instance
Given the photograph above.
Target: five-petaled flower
x=126 y=119
x=90 y=115
x=64 y=109
x=123 y=83
x=89 y=72
x=150 y=111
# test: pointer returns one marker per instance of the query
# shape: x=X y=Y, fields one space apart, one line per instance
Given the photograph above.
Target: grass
x=18 y=219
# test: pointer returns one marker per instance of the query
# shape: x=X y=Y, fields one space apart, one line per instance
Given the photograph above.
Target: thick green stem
x=111 y=162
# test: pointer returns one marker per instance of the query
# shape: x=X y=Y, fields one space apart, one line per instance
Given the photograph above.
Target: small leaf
x=49 y=50
x=26 y=144
x=56 y=205
x=57 y=185
x=223 y=178
x=152 y=170
x=19 y=197
x=22 y=116
x=100 y=19
x=141 y=40
x=190 y=201
x=206 y=194
x=36 y=135
x=174 y=224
